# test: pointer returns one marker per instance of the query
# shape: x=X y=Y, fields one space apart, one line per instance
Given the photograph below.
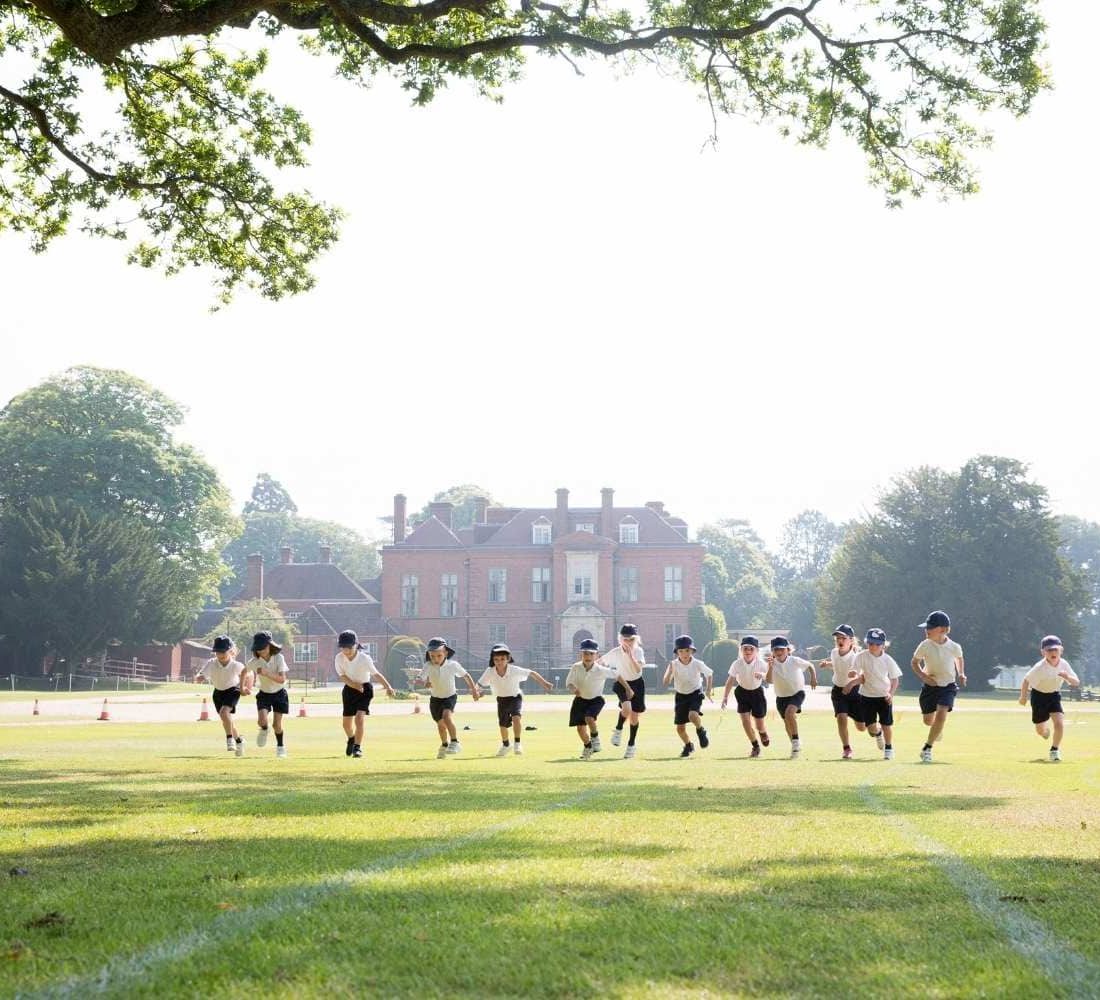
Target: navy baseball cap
x=628 y=630
x=845 y=630
x=684 y=642
x=589 y=646
x=223 y=644
x=750 y=640
x=876 y=636
x=937 y=619
x=1051 y=642
x=435 y=643
x=501 y=648
x=781 y=642
x=348 y=640
x=262 y=640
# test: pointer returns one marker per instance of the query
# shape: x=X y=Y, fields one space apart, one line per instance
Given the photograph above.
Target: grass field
x=158 y=865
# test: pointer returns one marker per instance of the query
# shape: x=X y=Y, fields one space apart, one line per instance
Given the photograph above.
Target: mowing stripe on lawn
x=1028 y=936
x=117 y=973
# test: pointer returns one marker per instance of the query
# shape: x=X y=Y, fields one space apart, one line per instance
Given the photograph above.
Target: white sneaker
x=239 y=749
x=596 y=745
x=888 y=754
x=795 y=753
x=616 y=737
x=261 y=738
x=796 y=747
x=441 y=754
x=518 y=750
x=586 y=753
x=280 y=751
x=503 y=751
x=926 y=756
x=1055 y=754
x=880 y=740
x=455 y=747
x=630 y=752
x=230 y=745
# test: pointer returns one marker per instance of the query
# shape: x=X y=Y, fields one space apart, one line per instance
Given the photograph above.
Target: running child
x=442 y=672
x=627 y=659
x=748 y=673
x=1044 y=680
x=788 y=673
x=224 y=671
x=878 y=675
x=271 y=674
x=355 y=668
x=586 y=679
x=504 y=678
x=689 y=677
x=844 y=694
x=937 y=661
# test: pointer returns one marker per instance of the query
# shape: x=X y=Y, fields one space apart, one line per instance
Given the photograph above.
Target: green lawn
x=158 y=865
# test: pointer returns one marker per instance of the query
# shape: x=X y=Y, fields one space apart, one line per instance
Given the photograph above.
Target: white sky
x=568 y=290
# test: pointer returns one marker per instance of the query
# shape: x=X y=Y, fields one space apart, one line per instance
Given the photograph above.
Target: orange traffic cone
x=36 y=712
x=104 y=715
x=302 y=709
x=204 y=714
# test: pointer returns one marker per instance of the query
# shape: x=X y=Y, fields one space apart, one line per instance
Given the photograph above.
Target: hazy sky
x=570 y=290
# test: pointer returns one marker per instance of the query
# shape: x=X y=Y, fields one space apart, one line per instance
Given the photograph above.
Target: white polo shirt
x=877 y=672
x=223 y=678
x=744 y=672
x=687 y=678
x=939 y=660
x=789 y=677
x=442 y=677
x=1044 y=678
x=359 y=669
x=621 y=662
x=589 y=682
x=276 y=665
x=841 y=665
x=508 y=685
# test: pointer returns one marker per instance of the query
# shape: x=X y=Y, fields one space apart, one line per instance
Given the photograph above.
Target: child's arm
x=472 y=686
x=894 y=682
x=813 y=676
x=710 y=686
x=730 y=681
x=1023 y=692
x=1067 y=674
x=918 y=669
x=768 y=674
x=355 y=685
x=385 y=683
x=960 y=669
x=547 y=685
x=853 y=680
x=667 y=679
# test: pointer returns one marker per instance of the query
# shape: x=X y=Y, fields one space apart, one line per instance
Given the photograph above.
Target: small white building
x=1008 y=678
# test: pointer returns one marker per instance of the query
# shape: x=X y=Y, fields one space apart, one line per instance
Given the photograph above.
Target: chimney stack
x=399 y=502
x=441 y=511
x=607 y=497
x=255 y=590
x=286 y=555
x=326 y=553
x=481 y=504
x=561 y=516
x=657 y=506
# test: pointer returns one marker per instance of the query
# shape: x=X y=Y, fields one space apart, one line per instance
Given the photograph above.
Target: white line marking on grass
x=119 y=972
x=1032 y=939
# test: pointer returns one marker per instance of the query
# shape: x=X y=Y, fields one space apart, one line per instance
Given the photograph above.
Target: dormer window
x=541 y=532
x=628 y=531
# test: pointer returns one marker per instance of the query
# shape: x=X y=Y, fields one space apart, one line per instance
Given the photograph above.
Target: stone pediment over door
x=582 y=620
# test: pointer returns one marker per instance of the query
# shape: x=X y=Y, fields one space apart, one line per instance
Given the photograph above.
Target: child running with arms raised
x=689 y=677
x=748 y=673
x=225 y=672
x=586 y=680
x=844 y=694
x=937 y=661
x=442 y=672
x=788 y=673
x=504 y=678
x=1044 y=682
x=878 y=676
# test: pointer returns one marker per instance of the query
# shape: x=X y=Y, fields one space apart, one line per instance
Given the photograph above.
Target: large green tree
x=807 y=545
x=737 y=574
x=72 y=582
x=103 y=440
x=1081 y=547
x=463 y=497
x=243 y=621
x=269 y=496
x=152 y=110
x=981 y=543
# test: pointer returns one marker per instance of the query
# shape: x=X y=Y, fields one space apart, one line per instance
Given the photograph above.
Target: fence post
x=70 y=683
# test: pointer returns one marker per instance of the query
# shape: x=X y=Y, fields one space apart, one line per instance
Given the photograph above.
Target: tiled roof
x=366 y=619
x=310 y=582
x=433 y=533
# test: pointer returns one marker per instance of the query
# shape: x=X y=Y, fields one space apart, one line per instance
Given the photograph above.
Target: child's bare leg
x=503 y=734
x=360 y=726
x=682 y=732
x=1043 y=729
x=441 y=726
x=592 y=733
x=696 y=720
x=227 y=722
x=888 y=735
x=761 y=726
x=517 y=727
x=842 y=728
x=860 y=726
x=1059 y=728
x=449 y=722
x=278 y=725
x=261 y=718
x=582 y=732
x=938 y=721
x=790 y=721
x=746 y=723
x=348 y=722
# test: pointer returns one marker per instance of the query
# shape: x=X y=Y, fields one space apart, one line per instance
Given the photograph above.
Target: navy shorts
x=846 y=704
x=1043 y=706
x=227 y=699
x=932 y=696
x=437 y=706
x=685 y=705
x=878 y=708
x=276 y=701
x=356 y=701
x=753 y=702
x=783 y=703
x=637 y=703
x=584 y=709
x=507 y=708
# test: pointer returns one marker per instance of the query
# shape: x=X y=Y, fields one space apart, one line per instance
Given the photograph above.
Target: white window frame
x=542 y=533
x=625 y=594
x=498 y=586
x=448 y=602
x=410 y=595
x=582 y=587
x=674 y=584
x=305 y=652
x=628 y=532
x=498 y=634
x=541 y=585
x=371 y=649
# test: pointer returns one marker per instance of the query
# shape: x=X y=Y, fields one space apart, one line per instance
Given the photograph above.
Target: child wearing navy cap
x=271 y=674
x=225 y=673
x=355 y=668
x=878 y=676
x=503 y=677
x=748 y=673
x=442 y=673
x=627 y=659
x=1044 y=681
x=845 y=693
x=688 y=677
x=938 y=662
x=586 y=680
x=788 y=673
